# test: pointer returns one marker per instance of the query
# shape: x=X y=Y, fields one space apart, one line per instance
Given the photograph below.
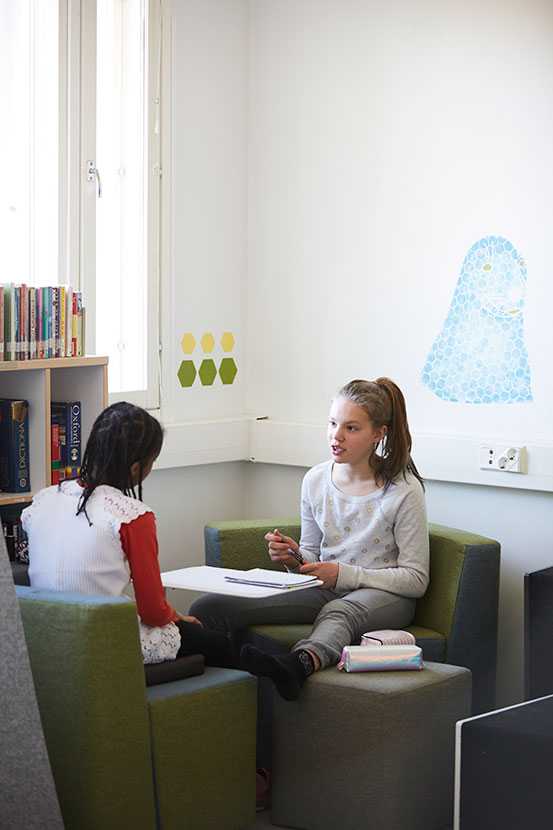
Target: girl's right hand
x=279 y=546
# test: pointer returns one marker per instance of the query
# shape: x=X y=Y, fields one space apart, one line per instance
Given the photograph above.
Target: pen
x=297 y=556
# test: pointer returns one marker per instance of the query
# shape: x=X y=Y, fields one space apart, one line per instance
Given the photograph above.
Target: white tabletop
x=212 y=581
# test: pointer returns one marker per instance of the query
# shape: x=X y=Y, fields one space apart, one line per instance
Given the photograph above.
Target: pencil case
x=388 y=637
x=381 y=658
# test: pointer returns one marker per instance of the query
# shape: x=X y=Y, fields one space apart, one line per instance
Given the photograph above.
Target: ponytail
x=396 y=445
x=384 y=403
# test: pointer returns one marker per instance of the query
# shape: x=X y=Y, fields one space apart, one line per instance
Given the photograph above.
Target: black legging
x=214 y=645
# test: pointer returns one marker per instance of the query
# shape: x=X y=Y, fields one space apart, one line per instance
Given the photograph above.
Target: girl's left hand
x=189 y=619
x=325 y=571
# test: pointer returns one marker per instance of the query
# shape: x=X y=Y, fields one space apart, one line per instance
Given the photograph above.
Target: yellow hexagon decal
x=227 y=341
x=188 y=343
x=208 y=342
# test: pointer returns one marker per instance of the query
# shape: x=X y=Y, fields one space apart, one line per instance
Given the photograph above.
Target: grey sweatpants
x=338 y=618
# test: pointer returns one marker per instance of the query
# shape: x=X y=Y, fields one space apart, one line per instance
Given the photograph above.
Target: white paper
x=212 y=580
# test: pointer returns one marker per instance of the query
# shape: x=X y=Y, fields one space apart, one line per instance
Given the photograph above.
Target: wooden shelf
x=40 y=382
x=14 y=498
x=51 y=363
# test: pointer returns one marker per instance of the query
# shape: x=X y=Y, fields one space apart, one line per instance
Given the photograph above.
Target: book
x=61 y=290
x=39 y=338
x=55 y=454
x=74 y=316
x=9 y=321
x=68 y=319
x=24 y=324
x=273 y=579
x=14 y=446
x=66 y=416
x=1 y=322
x=16 y=322
x=32 y=323
x=50 y=321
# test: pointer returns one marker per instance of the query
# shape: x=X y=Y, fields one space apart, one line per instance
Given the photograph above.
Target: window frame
x=82 y=194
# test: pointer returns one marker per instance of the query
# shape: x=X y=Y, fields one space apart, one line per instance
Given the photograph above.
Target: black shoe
x=287 y=671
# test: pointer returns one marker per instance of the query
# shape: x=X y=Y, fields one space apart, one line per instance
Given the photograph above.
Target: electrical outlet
x=502 y=457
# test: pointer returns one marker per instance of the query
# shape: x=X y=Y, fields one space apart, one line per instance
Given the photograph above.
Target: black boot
x=287 y=671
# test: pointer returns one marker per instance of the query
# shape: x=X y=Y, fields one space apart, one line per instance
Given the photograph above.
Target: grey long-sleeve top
x=379 y=540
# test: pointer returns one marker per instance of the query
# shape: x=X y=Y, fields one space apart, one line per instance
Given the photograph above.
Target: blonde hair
x=383 y=401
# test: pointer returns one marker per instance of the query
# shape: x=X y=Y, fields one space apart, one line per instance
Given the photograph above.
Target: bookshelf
x=40 y=382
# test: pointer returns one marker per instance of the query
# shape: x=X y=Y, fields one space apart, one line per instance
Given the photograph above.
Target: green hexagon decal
x=208 y=372
x=228 y=370
x=208 y=342
x=188 y=342
x=187 y=373
x=227 y=341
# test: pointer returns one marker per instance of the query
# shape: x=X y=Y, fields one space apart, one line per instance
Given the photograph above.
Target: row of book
x=41 y=322
x=14 y=443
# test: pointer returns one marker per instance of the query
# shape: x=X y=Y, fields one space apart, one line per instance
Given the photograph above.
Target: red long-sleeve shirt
x=139 y=542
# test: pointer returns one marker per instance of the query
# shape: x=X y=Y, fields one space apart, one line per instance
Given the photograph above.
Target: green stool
x=369 y=750
x=187 y=718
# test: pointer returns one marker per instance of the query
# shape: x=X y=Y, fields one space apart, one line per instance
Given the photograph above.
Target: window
x=127 y=153
x=29 y=142
x=82 y=105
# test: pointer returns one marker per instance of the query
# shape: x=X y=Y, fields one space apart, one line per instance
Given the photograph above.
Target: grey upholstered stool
x=369 y=750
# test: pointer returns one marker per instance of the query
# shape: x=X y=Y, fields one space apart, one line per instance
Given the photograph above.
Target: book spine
x=62 y=320
x=24 y=309
x=55 y=321
x=39 y=347
x=1 y=322
x=74 y=326
x=50 y=321
x=74 y=434
x=7 y=316
x=19 y=447
x=12 y=323
x=68 y=319
x=79 y=325
x=55 y=454
x=83 y=331
x=17 y=327
x=32 y=323
x=59 y=417
x=45 y=321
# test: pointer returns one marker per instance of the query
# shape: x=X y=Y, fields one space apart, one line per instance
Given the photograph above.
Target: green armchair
x=455 y=622
x=123 y=755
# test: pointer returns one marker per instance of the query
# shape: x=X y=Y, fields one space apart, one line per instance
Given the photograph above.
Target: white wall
x=385 y=139
x=204 y=199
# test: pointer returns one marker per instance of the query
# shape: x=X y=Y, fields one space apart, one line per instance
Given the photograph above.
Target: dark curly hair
x=122 y=435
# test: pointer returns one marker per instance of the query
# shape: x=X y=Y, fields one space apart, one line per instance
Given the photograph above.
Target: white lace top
x=66 y=553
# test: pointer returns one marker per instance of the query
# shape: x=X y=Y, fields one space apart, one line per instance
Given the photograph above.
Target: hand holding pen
x=283 y=549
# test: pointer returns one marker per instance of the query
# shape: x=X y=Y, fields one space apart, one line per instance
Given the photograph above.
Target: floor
x=263 y=819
